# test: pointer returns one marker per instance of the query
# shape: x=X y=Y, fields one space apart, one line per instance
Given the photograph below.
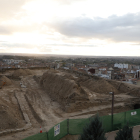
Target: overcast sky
x=82 y=27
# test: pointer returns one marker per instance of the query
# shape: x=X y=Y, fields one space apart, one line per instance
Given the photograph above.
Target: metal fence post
x=47 y=135
x=125 y=118
x=112 y=108
x=68 y=126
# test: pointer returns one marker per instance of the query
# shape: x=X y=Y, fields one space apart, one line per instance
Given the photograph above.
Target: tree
x=93 y=130
x=126 y=133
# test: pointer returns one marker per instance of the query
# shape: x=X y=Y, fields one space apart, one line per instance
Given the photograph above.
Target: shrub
x=126 y=133
x=93 y=130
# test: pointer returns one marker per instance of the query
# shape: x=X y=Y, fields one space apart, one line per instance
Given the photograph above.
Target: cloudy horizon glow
x=73 y=27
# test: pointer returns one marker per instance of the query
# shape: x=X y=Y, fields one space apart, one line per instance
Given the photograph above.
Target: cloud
x=136 y=44
x=2 y=41
x=67 y=2
x=4 y=30
x=68 y=45
x=124 y=28
x=9 y=8
x=11 y=45
x=47 y=48
x=10 y=29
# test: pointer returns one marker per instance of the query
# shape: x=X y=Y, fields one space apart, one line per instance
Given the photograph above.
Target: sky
x=70 y=27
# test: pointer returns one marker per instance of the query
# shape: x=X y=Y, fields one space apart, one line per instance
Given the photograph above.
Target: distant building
x=105 y=76
x=131 y=71
x=121 y=66
x=136 y=67
x=9 y=61
x=58 y=66
x=66 y=68
x=93 y=65
x=102 y=68
x=110 y=72
x=92 y=70
x=69 y=65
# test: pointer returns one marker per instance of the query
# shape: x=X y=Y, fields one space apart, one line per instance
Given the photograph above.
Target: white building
x=109 y=74
x=121 y=66
x=69 y=65
x=105 y=76
x=58 y=66
x=9 y=61
x=66 y=68
x=102 y=69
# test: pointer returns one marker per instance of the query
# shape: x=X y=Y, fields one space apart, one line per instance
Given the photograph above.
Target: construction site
x=44 y=97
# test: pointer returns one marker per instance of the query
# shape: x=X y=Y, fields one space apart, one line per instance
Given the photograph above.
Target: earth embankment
x=76 y=93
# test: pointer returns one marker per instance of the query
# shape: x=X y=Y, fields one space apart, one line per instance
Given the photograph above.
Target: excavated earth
x=75 y=93
x=46 y=97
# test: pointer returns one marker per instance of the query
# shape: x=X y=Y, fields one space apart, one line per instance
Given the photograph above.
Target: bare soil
x=6 y=80
x=75 y=93
x=50 y=97
x=22 y=72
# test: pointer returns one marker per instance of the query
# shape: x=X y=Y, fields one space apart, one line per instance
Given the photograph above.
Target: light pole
x=112 y=107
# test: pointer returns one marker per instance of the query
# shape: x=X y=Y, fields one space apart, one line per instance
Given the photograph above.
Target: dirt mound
x=63 y=90
x=36 y=78
x=21 y=72
x=9 y=117
x=29 y=72
x=69 y=76
x=130 y=89
x=98 y=86
x=5 y=79
x=76 y=93
x=53 y=71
